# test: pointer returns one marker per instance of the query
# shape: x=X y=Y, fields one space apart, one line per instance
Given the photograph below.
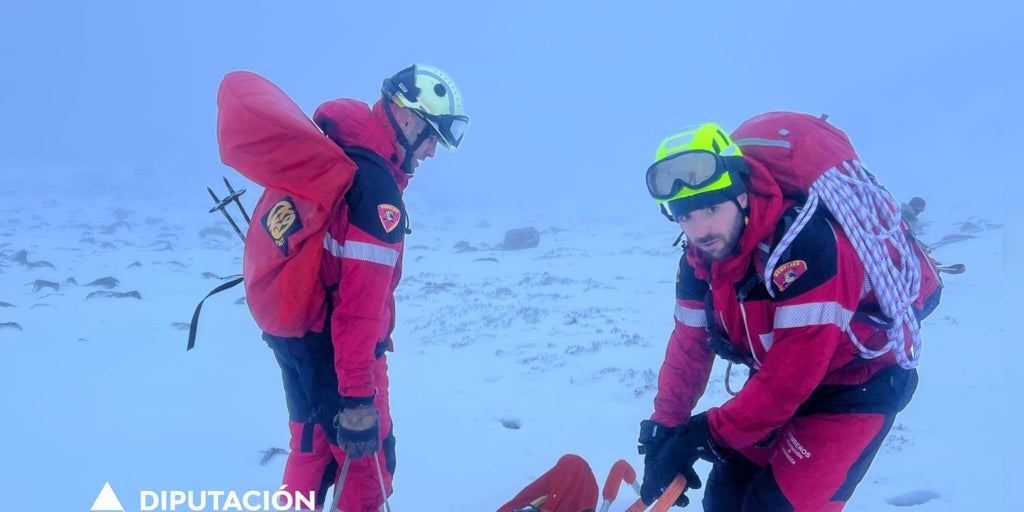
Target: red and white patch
x=390 y=216
x=787 y=273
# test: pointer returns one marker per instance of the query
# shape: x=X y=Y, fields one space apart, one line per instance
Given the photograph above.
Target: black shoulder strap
x=195 y=316
x=718 y=342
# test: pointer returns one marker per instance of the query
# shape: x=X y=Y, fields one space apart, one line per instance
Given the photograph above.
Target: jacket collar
x=765 y=208
x=353 y=124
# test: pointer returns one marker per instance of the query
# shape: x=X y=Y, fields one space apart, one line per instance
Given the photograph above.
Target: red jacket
x=363 y=248
x=796 y=341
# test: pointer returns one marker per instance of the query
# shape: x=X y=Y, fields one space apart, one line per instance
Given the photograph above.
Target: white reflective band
x=815 y=313
x=369 y=252
x=332 y=246
x=758 y=141
x=691 y=317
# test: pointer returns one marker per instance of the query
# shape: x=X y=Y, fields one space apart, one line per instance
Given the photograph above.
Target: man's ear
x=742 y=200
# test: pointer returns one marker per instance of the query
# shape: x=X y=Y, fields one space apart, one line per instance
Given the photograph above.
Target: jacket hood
x=353 y=124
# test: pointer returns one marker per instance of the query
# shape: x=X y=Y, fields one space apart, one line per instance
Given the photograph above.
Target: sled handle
x=621 y=472
x=667 y=499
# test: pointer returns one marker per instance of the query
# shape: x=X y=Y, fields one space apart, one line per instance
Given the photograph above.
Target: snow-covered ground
x=504 y=360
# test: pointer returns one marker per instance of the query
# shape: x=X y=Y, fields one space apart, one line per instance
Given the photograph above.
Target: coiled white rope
x=870 y=218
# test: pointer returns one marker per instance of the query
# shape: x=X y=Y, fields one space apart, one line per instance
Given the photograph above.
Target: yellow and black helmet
x=696 y=168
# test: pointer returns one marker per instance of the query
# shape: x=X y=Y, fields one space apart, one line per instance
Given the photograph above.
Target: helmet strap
x=665 y=212
x=410 y=148
x=744 y=211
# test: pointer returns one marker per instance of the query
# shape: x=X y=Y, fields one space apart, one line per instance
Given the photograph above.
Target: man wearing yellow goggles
x=702 y=189
x=801 y=433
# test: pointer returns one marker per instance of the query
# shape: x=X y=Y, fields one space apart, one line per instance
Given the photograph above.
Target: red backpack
x=815 y=162
x=267 y=138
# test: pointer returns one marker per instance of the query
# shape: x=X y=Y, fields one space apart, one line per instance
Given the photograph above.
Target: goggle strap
x=737 y=164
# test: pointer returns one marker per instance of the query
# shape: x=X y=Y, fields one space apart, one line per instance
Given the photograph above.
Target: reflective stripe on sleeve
x=361 y=251
x=815 y=313
x=691 y=317
x=332 y=246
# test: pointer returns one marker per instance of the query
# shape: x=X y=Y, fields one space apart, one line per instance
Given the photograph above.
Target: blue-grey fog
x=567 y=103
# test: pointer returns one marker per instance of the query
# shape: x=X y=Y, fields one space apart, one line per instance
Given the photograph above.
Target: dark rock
x=105 y=282
x=39 y=284
x=521 y=238
x=114 y=295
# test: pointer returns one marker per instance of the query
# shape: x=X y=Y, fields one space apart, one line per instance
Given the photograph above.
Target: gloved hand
x=694 y=441
x=358 y=425
x=659 y=446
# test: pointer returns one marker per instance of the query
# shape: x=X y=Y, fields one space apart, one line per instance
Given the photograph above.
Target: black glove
x=358 y=425
x=659 y=446
x=694 y=441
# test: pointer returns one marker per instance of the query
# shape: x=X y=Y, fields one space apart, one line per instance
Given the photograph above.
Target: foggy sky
x=567 y=104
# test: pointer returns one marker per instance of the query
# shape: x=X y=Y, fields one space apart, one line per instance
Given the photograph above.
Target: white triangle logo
x=107 y=501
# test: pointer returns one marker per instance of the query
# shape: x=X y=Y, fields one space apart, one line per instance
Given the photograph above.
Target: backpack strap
x=194 y=325
x=718 y=342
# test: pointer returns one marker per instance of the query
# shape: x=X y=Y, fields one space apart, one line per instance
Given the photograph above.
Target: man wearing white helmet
x=335 y=376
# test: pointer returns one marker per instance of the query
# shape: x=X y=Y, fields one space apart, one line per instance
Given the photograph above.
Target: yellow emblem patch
x=281 y=221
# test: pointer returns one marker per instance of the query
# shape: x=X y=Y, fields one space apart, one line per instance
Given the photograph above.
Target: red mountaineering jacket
x=795 y=342
x=362 y=261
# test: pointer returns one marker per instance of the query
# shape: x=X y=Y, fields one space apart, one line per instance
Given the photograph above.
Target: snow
x=504 y=361
x=107 y=142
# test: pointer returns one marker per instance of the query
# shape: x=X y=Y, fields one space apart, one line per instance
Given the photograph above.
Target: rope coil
x=867 y=214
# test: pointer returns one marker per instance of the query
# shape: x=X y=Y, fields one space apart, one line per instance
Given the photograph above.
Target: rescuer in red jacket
x=335 y=377
x=803 y=430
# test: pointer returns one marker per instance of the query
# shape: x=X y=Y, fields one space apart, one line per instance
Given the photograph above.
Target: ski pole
x=380 y=478
x=621 y=472
x=340 y=484
x=238 y=202
x=667 y=499
x=220 y=206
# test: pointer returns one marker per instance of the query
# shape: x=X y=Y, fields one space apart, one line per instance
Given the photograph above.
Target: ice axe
x=667 y=499
x=621 y=472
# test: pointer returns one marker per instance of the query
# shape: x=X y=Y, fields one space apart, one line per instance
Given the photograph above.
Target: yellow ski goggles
x=689 y=173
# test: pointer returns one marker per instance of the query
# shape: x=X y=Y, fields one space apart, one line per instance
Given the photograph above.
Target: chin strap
x=410 y=148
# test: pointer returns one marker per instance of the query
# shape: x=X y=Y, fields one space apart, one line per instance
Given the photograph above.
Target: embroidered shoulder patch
x=281 y=221
x=787 y=273
x=390 y=215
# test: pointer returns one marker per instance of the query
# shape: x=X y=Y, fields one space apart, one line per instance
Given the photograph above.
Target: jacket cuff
x=348 y=402
x=712 y=415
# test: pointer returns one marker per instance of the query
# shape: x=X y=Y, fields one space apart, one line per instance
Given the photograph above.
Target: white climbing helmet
x=433 y=95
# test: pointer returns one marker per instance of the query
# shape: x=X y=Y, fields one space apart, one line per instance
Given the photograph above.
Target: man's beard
x=730 y=241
